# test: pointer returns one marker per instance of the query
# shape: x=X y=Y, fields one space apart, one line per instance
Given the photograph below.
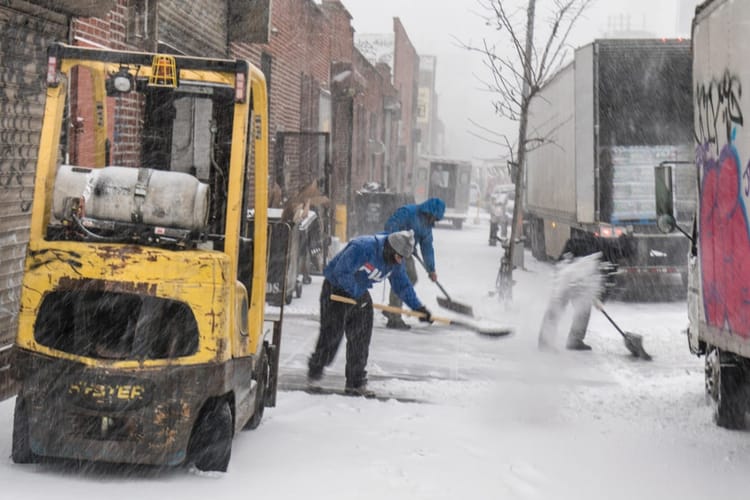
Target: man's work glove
x=433 y=276
x=426 y=314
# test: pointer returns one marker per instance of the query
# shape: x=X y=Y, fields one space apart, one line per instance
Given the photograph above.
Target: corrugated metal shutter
x=25 y=33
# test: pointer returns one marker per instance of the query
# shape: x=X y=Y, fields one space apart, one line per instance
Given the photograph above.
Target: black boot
x=360 y=390
x=397 y=324
x=577 y=345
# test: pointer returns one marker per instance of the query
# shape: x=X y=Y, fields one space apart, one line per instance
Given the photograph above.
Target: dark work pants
x=393 y=299
x=337 y=319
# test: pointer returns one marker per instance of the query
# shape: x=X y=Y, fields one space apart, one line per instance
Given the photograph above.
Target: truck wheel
x=724 y=388
x=22 y=453
x=260 y=397
x=211 y=442
x=458 y=223
x=536 y=231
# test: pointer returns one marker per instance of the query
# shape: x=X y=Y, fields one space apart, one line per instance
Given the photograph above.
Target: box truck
x=719 y=258
x=597 y=129
x=448 y=179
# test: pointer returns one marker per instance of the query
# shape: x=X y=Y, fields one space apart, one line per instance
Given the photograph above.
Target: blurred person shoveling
x=489 y=331
x=579 y=280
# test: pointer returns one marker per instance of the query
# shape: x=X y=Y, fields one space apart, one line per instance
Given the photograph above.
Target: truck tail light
x=607 y=231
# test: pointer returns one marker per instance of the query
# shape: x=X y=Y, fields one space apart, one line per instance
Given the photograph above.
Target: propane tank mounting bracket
x=139 y=194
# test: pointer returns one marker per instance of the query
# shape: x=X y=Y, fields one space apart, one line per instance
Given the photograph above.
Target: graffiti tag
x=717 y=110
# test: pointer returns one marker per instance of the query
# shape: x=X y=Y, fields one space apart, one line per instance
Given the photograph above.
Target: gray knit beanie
x=402 y=242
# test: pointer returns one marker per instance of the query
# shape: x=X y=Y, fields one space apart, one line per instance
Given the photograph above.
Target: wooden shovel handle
x=397 y=310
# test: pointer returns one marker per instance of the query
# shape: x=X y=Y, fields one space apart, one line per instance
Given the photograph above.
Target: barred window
x=138 y=21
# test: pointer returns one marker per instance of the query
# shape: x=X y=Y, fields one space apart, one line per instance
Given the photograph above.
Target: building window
x=138 y=21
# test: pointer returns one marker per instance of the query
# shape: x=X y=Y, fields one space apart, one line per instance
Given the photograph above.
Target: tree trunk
x=516 y=230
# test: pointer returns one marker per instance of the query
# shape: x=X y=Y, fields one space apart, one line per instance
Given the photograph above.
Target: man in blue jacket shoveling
x=419 y=218
x=364 y=261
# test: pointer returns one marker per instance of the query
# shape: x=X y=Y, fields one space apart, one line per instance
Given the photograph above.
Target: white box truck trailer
x=600 y=125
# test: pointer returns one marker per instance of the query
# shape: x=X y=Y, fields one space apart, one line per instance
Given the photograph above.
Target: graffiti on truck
x=717 y=110
x=724 y=240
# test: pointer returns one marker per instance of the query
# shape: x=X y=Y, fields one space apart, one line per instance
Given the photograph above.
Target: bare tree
x=519 y=66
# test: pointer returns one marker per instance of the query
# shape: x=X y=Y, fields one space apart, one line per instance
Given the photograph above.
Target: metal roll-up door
x=25 y=33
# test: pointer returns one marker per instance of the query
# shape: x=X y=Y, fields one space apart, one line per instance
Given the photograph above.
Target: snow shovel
x=446 y=301
x=489 y=332
x=633 y=341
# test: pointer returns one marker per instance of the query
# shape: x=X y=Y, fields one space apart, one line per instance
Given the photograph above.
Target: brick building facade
x=406 y=81
x=26 y=29
x=318 y=83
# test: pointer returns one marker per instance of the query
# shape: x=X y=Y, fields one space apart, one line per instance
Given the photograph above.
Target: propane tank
x=137 y=195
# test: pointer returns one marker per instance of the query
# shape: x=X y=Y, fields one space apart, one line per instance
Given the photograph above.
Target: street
x=500 y=419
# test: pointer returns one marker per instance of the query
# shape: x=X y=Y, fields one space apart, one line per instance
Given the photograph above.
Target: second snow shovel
x=633 y=341
x=489 y=332
x=446 y=301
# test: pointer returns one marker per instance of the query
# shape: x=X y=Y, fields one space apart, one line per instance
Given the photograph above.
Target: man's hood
x=434 y=207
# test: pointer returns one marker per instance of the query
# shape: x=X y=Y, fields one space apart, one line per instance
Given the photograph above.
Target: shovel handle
x=397 y=310
x=598 y=304
x=436 y=281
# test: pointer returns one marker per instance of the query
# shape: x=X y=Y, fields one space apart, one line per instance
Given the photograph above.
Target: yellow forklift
x=142 y=337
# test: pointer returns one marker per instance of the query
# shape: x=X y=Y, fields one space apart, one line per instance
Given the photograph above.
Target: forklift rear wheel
x=22 y=453
x=260 y=398
x=211 y=443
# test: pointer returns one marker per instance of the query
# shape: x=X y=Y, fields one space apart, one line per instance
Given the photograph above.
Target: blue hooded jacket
x=360 y=264
x=408 y=217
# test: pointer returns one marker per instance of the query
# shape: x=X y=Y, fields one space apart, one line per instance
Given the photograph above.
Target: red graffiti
x=724 y=244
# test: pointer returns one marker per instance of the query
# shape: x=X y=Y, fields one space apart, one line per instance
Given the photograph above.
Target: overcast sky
x=433 y=26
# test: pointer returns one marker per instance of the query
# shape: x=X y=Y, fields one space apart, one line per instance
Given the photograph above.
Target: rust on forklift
x=66 y=283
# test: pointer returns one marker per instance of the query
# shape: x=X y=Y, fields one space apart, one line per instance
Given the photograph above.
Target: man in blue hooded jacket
x=419 y=218
x=351 y=272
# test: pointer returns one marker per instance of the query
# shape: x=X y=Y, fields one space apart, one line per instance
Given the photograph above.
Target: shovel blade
x=487 y=331
x=494 y=332
x=456 y=307
x=634 y=344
